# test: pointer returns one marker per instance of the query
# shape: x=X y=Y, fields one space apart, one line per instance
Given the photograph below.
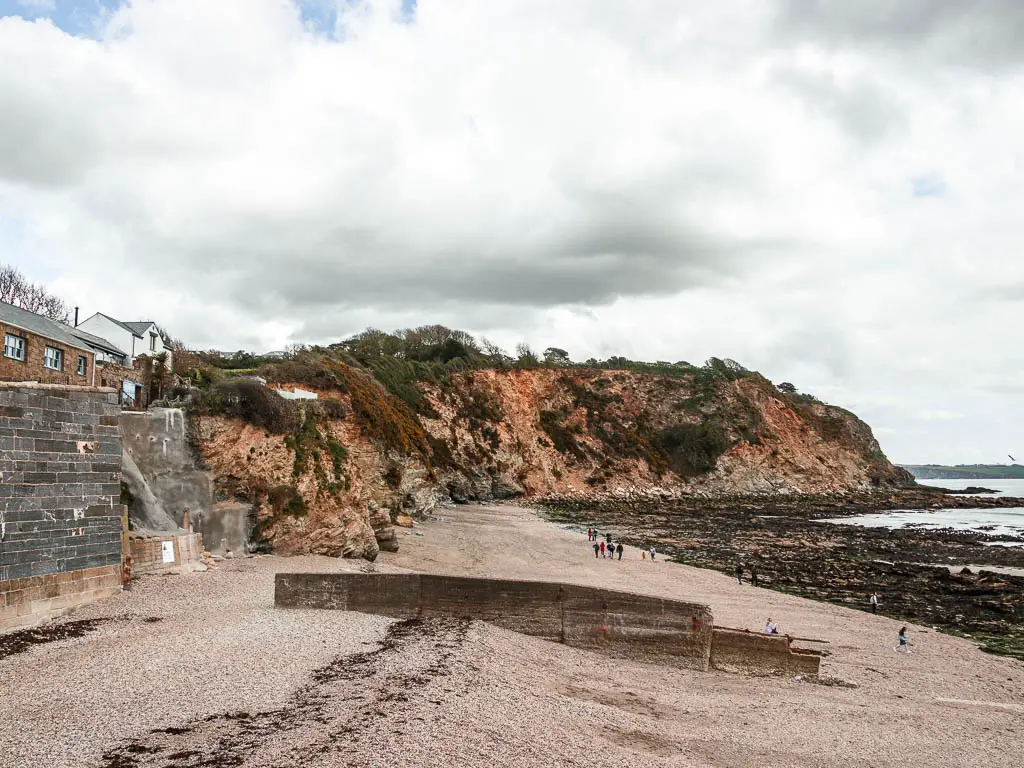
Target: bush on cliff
x=251 y=402
x=693 y=449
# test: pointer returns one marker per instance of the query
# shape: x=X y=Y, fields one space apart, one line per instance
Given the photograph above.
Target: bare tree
x=494 y=353
x=527 y=357
x=172 y=343
x=18 y=290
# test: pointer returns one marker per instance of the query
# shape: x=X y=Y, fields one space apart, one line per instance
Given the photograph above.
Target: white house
x=136 y=338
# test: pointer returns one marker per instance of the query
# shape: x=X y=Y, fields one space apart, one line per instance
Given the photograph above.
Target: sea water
x=1011 y=487
x=994 y=522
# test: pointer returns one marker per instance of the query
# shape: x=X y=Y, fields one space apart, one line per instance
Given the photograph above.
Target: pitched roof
x=125 y=326
x=139 y=327
x=98 y=342
x=41 y=326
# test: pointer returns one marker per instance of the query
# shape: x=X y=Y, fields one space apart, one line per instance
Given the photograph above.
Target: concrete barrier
x=616 y=623
x=753 y=653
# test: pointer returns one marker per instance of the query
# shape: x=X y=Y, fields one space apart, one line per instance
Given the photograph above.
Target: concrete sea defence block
x=753 y=653
x=396 y=595
x=529 y=607
x=627 y=624
x=618 y=623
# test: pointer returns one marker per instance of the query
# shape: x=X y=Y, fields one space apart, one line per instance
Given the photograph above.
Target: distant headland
x=965 y=471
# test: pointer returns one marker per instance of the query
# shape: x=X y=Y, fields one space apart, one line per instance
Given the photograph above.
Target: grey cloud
x=595 y=274
x=863 y=107
x=973 y=33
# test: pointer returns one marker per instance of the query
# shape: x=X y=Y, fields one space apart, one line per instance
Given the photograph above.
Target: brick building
x=36 y=348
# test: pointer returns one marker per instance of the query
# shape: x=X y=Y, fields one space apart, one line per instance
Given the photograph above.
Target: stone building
x=36 y=348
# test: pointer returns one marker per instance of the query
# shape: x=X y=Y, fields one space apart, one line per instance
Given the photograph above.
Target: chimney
x=76 y=317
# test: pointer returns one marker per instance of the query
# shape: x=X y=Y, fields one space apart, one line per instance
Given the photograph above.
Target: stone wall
x=148 y=556
x=753 y=653
x=60 y=510
x=615 y=623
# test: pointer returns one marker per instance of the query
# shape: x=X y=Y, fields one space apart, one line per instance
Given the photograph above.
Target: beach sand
x=466 y=693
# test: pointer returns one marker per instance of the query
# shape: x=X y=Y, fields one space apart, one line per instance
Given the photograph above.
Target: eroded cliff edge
x=332 y=476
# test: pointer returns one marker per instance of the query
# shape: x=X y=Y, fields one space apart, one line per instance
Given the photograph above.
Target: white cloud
x=662 y=180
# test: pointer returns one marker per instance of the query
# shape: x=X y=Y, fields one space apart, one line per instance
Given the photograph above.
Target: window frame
x=83 y=365
x=152 y=342
x=24 y=347
x=59 y=358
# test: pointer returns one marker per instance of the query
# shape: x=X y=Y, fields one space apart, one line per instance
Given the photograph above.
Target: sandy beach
x=200 y=669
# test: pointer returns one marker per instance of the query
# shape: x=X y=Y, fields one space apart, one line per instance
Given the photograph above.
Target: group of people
x=604 y=547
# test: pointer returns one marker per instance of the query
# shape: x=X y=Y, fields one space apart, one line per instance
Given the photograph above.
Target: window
x=81 y=365
x=14 y=347
x=152 y=342
x=53 y=358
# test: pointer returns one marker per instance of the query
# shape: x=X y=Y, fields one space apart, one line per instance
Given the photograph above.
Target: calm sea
x=1002 y=522
x=1007 y=487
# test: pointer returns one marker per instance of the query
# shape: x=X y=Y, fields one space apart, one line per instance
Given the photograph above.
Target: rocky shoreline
x=793 y=553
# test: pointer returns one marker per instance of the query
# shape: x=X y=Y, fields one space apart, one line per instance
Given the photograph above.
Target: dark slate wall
x=60 y=480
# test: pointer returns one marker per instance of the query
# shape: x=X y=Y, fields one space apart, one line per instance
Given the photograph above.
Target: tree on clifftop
x=557 y=357
x=786 y=387
x=18 y=290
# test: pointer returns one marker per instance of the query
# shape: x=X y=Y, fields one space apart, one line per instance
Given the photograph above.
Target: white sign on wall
x=168 y=548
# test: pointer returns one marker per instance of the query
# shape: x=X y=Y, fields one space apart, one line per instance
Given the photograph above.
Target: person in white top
x=652 y=552
x=770 y=627
x=874 y=603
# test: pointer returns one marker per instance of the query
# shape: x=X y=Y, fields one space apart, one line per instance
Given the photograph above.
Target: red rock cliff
x=365 y=459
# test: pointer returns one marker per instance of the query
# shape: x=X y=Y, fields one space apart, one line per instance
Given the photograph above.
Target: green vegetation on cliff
x=440 y=396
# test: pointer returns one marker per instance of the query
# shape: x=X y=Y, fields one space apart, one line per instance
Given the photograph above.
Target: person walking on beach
x=618 y=550
x=602 y=549
x=903 y=642
x=643 y=554
x=874 y=602
x=739 y=573
x=597 y=547
x=753 y=575
x=652 y=553
x=590 y=534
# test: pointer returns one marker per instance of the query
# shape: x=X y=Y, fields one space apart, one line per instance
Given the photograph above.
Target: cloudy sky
x=827 y=191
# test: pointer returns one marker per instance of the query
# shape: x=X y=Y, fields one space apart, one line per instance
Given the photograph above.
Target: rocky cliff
x=333 y=476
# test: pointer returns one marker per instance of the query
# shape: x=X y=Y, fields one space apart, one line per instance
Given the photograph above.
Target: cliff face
x=361 y=459
x=541 y=432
